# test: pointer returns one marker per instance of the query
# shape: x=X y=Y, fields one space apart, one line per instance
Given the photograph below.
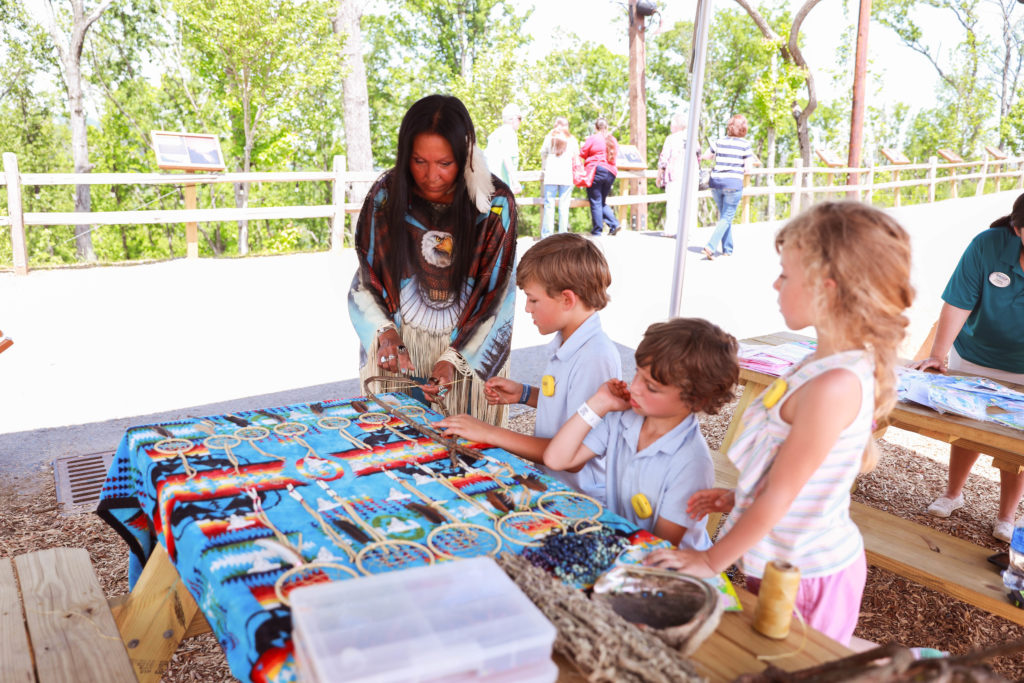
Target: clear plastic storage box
x=455 y=621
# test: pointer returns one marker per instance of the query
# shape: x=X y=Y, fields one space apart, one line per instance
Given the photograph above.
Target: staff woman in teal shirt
x=981 y=328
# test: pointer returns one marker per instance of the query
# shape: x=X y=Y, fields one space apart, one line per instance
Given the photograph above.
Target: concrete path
x=99 y=349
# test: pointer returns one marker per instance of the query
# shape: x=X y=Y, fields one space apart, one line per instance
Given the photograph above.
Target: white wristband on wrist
x=588 y=415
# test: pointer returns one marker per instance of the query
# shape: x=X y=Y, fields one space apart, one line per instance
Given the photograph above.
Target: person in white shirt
x=503 y=148
x=556 y=156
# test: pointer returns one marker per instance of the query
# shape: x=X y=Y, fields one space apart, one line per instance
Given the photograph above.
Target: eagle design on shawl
x=426 y=300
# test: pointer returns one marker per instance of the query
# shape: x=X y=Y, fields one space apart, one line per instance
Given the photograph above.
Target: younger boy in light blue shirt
x=655 y=455
x=565 y=278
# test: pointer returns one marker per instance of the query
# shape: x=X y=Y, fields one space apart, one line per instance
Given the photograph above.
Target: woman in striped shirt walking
x=846 y=271
x=733 y=158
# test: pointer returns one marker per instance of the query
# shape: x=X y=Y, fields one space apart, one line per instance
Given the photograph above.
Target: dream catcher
x=452 y=538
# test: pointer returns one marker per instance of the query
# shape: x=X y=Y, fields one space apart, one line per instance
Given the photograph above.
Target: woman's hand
x=441 y=378
x=931 y=363
x=466 y=426
x=710 y=500
x=692 y=562
x=392 y=355
x=502 y=391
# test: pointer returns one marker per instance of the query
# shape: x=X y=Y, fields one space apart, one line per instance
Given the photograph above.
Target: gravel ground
x=912 y=471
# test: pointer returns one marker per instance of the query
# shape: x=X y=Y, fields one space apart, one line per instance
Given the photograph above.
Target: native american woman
x=442 y=280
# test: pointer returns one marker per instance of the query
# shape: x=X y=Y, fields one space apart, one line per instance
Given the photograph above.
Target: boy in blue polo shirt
x=655 y=455
x=565 y=278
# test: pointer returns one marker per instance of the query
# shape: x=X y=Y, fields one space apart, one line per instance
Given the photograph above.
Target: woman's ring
x=402 y=349
x=391 y=357
x=383 y=360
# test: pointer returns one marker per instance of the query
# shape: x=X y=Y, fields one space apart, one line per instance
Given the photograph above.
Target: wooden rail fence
x=805 y=186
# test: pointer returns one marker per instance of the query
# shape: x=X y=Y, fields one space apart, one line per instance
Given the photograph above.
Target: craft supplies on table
x=978 y=398
x=457 y=621
x=774 y=360
x=253 y=504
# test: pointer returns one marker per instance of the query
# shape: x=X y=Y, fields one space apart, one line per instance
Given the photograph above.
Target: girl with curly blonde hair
x=846 y=272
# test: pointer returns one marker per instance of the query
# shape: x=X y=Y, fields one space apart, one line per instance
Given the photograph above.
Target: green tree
x=258 y=57
x=965 y=100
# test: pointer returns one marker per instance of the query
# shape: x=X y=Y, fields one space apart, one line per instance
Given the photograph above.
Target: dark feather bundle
x=237 y=421
x=530 y=481
x=469 y=458
x=317 y=408
x=430 y=513
x=162 y=431
x=500 y=500
x=359 y=407
x=353 y=530
x=272 y=416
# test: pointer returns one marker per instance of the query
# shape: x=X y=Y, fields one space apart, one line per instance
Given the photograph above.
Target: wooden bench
x=922 y=554
x=61 y=629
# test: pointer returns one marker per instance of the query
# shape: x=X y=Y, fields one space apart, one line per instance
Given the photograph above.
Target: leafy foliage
x=264 y=75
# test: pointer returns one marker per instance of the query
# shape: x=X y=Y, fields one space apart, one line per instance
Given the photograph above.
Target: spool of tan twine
x=776 y=599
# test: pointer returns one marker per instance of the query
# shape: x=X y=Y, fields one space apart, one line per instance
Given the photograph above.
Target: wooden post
x=980 y=190
x=794 y=202
x=16 y=212
x=745 y=215
x=955 y=190
x=770 y=183
x=896 y=179
x=637 y=109
x=154 y=618
x=933 y=168
x=338 y=195
x=870 y=194
x=191 y=227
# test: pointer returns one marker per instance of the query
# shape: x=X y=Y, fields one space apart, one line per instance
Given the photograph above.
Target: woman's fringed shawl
x=480 y=341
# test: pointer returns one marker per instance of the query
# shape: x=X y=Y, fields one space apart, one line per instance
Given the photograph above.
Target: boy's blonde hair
x=567 y=260
x=867 y=255
x=694 y=355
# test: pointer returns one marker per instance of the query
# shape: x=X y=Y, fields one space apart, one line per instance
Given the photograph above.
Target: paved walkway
x=99 y=349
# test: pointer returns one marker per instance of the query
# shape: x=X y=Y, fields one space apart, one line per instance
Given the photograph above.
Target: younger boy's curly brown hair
x=694 y=355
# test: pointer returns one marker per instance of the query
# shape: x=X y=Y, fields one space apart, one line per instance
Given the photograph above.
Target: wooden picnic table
x=156 y=624
x=161 y=610
x=1004 y=444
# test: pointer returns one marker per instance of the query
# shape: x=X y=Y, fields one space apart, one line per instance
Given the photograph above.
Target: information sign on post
x=829 y=158
x=628 y=158
x=189 y=152
x=895 y=156
x=950 y=156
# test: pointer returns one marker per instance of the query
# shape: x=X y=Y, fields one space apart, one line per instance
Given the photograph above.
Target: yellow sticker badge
x=641 y=506
x=775 y=391
x=547 y=385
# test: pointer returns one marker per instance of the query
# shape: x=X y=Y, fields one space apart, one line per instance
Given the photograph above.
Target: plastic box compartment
x=463 y=620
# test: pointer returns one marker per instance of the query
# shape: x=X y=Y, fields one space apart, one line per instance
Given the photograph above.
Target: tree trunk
x=790 y=53
x=69 y=52
x=356 y=105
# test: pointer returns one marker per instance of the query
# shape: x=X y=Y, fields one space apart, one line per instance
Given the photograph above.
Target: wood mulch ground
x=911 y=473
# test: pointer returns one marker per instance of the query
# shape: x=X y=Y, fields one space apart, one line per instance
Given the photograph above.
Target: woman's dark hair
x=448 y=117
x=1015 y=219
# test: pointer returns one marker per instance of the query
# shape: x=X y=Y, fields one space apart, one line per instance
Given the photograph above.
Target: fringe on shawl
x=425 y=349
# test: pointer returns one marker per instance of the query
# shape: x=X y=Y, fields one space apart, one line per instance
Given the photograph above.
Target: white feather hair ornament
x=478 y=179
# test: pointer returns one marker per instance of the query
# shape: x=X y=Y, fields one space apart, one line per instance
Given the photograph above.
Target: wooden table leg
x=750 y=391
x=154 y=618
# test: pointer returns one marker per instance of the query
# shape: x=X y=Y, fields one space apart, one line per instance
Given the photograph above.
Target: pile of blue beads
x=577 y=559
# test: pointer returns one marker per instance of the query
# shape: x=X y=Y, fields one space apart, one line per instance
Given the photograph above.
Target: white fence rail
x=802 y=189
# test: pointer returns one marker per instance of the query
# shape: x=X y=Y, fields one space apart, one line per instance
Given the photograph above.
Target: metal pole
x=687 y=203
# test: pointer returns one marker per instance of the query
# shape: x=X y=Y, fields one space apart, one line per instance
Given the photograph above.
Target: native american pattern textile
x=222 y=508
